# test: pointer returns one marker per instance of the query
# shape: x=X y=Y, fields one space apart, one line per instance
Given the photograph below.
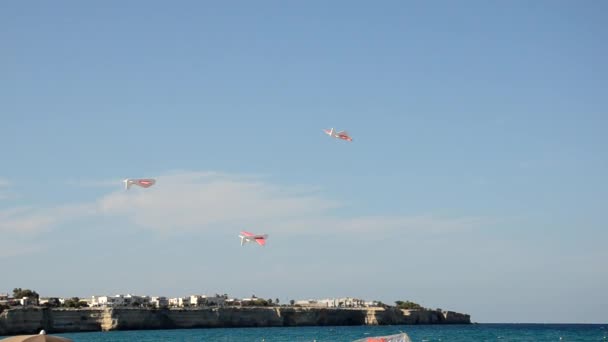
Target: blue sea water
x=426 y=333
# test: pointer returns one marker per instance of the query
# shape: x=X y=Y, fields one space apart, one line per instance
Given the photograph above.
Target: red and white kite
x=340 y=135
x=143 y=182
x=250 y=237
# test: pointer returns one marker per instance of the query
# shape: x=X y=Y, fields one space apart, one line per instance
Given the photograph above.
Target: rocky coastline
x=28 y=320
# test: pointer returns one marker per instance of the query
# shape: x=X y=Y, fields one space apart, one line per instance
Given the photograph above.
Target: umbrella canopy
x=36 y=338
x=390 y=338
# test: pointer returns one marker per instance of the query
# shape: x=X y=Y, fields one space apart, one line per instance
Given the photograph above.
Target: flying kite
x=250 y=237
x=340 y=135
x=143 y=182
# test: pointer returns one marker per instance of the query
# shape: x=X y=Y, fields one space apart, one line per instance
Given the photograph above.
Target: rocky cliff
x=33 y=319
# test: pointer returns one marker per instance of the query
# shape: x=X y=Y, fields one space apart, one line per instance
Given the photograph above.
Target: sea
x=422 y=333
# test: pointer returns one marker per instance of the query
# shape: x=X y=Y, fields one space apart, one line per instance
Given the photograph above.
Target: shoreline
x=32 y=319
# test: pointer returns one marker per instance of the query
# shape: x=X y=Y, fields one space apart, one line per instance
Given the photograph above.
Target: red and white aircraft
x=143 y=182
x=340 y=135
x=250 y=237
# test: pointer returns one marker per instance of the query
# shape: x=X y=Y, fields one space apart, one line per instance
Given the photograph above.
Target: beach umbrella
x=389 y=338
x=42 y=337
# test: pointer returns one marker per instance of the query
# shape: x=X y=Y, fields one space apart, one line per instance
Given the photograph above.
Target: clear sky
x=476 y=180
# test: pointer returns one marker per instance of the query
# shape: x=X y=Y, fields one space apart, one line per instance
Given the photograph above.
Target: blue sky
x=475 y=181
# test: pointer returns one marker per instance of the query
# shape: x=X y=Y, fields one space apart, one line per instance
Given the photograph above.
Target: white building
x=232 y=301
x=179 y=302
x=346 y=302
x=119 y=300
x=4 y=299
x=310 y=303
x=25 y=301
x=159 y=302
x=216 y=300
x=133 y=299
x=196 y=300
x=52 y=301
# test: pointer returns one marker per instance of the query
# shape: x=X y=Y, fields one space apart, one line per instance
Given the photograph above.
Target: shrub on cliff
x=52 y=303
x=407 y=305
x=19 y=293
x=256 y=302
x=74 y=302
x=382 y=305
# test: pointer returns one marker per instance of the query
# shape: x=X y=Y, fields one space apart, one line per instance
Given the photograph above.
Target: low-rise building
x=119 y=300
x=196 y=300
x=134 y=300
x=216 y=300
x=4 y=299
x=232 y=302
x=25 y=301
x=310 y=303
x=179 y=302
x=159 y=302
x=49 y=301
x=346 y=302
x=86 y=300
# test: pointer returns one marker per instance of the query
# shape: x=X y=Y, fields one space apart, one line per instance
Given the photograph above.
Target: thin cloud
x=5 y=194
x=378 y=227
x=33 y=221
x=95 y=183
x=196 y=201
x=13 y=249
x=203 y=201
x=170 y=178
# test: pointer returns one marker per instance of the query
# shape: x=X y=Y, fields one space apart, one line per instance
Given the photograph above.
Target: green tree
x=74 y=302
x=276 y=300
x=382 y=305
x=52 y=303
x=258 y=302
x=20 y=293
x=407 y=305
x=292 y=302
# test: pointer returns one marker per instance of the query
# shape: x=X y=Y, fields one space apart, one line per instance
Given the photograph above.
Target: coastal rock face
x=132 y=319
x=394 y=316
x=452 y=317
x=22 y=320
x=32 y=319
x=70 y=320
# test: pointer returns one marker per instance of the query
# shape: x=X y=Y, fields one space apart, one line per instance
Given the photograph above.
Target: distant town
x=27 y=297
x=25 y=312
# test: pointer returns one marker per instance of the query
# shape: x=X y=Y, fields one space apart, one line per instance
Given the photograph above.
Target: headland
x=32 y=319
